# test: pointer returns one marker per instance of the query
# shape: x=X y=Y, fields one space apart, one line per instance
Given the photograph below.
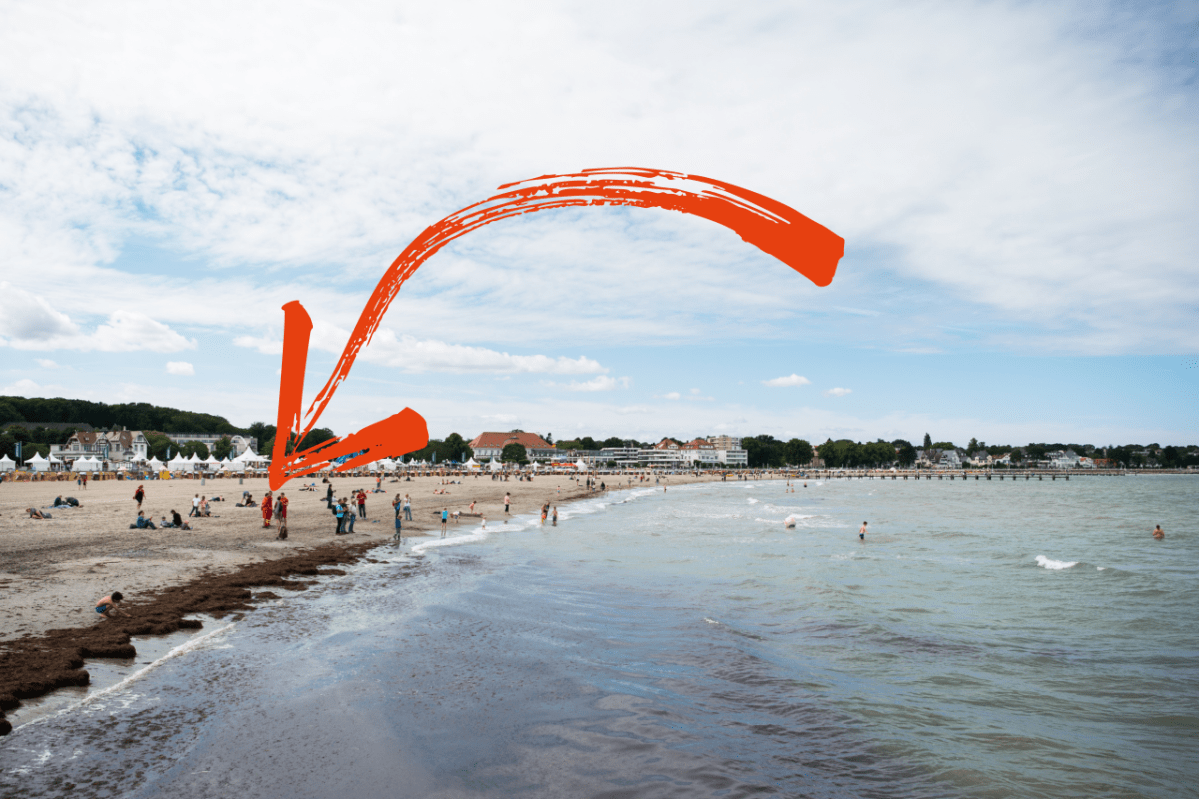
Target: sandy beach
x=52 y=571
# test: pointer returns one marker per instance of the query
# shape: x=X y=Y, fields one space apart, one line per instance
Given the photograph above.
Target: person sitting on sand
x=1158 y=533
x=164 y=524
x=34 y=513
x=109 y=605
x=204 y=509
x=178 y=521
x=143 y=522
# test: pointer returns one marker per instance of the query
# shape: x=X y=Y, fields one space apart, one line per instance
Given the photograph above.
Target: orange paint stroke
x=775 y=228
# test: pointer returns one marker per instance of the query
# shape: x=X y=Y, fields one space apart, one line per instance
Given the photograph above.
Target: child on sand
x=108 y=606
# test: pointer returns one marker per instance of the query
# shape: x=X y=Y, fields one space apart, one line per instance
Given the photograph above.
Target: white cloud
x=503 y=418
x=27 y=388
x=429 y=355
x=838 y=392
x=31 y=323
x=180 y=368
x=264 y=344
x=598 y=383
x=790 y=380
x=46 y=363
x=673 y=395
x=26 y=317
x=321 y=160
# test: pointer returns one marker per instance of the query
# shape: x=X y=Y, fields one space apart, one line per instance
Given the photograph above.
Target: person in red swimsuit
x=267 y=509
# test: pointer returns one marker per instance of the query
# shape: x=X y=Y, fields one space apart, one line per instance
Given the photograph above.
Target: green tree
x=928 y=441
x=222 y=448
x=264 y=432
x=763 y=452
x=1035 y=452
x=194 y=447
x=455 y=448
x=798 y=452
x=612 y=443
x=514 y=453
x=972 y=446
x=1017 y=455
x=157 y=445
x=905 y=453
x=944 y=445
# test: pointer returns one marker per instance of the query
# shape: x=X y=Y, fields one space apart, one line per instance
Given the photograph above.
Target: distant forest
x=102 y=416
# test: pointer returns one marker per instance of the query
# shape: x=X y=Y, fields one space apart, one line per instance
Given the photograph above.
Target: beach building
x=699 y=451
x=667 y=453
x=118 y=446
x=726 y=443
x=240 y=443
x=491 y=445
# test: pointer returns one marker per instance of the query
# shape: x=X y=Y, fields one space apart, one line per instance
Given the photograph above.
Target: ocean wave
x=1056 y=565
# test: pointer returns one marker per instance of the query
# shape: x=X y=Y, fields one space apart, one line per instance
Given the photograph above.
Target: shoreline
x=36 y=662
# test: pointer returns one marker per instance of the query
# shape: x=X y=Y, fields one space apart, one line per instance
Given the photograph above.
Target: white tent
x=472 y=464
x=7 y=464
x=155 y=464
x=495 y=465
x=579 y=464
x=233 y=465
x=211 y=461
x=387 y=464
x=37 y=463
x=177 y=463
x=88 y=464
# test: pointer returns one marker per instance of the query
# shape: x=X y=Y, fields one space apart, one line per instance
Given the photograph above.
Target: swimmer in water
x=1158 y=533
x=862 y=532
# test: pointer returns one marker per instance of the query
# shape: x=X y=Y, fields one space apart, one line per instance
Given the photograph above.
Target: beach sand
x=53 y=571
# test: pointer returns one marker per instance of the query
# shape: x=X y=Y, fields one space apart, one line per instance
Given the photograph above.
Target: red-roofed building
x=699 y=451
x=491 y=445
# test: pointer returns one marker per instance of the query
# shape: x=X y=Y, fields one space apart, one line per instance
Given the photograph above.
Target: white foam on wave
x=1056 y=565
x=477 y=535
x=752 y=501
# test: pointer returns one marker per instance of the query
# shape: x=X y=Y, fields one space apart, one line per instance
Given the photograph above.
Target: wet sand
x=52 y=571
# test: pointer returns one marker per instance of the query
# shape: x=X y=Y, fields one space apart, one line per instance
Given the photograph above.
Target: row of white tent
x=247 y=460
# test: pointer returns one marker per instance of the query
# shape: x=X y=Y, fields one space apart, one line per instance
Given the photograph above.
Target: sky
x=1017 y=185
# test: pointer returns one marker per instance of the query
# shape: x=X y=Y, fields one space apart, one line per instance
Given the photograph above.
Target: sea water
x=986 y=639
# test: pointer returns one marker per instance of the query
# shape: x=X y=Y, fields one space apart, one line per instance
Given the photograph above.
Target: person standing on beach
x=862 y=532
x=445 y=518
x=337 y=513
x=268 y=509
x=281 y=512
x=472 y=506
x=85 y=480
x=195 y=511
x=555 y=516
x=362 y=503
x=139 y=495
x=407 y=508
x=507 y=502
x=349 y=517
x=329 y=496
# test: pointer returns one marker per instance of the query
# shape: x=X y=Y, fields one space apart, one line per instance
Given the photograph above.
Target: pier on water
x=970 y=474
